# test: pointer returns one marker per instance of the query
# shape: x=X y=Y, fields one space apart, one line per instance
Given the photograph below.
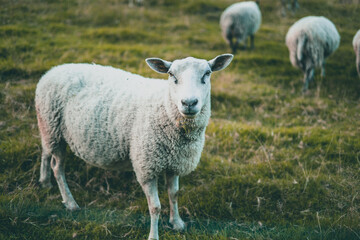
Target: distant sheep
x=356 y=45
x=132 y=3
x=239 y=21
x=310 y=41
x=292 y=5
x=117 y=120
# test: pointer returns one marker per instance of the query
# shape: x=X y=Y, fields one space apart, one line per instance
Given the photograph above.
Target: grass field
x=276 y=164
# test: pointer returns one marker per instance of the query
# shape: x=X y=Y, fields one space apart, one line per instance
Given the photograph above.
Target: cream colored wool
x=310 y=41
x=117 y=120
x=239 y=21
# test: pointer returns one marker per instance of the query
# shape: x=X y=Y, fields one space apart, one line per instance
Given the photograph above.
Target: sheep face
x=189 y=81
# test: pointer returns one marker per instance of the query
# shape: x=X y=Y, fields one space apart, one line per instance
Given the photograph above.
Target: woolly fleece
x=311 y=40
x=240 y=20
x=108 y=116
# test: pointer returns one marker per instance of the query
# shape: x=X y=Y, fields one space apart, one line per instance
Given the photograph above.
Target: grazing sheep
x=292 y=5
x=132 y=3
x=356 y=45
x=310 y=41
x=114 y=119
x=239 y=21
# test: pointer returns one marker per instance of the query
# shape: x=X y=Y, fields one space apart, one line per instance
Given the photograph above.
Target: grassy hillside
x=276 y=164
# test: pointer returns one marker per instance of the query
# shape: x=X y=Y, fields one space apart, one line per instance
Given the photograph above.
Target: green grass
x=276 y=164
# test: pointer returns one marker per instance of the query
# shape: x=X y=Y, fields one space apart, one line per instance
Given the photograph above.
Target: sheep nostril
x=189 y=102
x=195 y=101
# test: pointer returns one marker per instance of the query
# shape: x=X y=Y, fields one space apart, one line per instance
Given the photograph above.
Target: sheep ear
x=220 y=62
x=158 y=64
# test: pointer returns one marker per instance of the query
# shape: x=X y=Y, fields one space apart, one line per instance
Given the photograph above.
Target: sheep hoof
x=151 y=238
x=72 y=206
x=243 y=48
x=178 y=224
x=306 y=93
x=45 y=184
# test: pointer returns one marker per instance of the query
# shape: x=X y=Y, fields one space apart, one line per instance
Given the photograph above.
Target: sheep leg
x=173 y=188
x=151 y=191
x=283 y=9
x=295 y=5
x=232 y=45
x=358 y=61
x=244 y=42
x=57 y=165
x=323 y=69
x=45 y=171
x=309 y=76
x=252 y=38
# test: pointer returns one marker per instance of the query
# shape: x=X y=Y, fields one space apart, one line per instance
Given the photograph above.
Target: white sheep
x=132 y=3
x=293 y=5
x=239 y=21
x=114 y=119
x=356 y=45
x=310 y=41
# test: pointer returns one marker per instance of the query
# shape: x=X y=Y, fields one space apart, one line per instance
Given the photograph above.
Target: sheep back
x=241 y=19
x=312 y=37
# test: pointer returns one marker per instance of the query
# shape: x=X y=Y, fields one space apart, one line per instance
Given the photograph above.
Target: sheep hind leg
x=231 y=43
x=45 y=170
x=295 y=5
x=283 y=8
x=173 y=188
x=252 y=45
x=232 y=46
x=244 y=41
x=150 y=189
x=358 y=62
x=309 y=76
x=323 y=69
x=57 y=165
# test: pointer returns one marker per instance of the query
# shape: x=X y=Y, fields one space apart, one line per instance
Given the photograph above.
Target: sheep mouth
x=188 y=114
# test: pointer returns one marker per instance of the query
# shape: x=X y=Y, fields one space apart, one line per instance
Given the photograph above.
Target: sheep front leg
x=57 y=165
x=173 y=188
x=151 y=191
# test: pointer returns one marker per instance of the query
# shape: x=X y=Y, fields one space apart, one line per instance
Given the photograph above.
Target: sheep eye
x=172 y=75
x=205 y=75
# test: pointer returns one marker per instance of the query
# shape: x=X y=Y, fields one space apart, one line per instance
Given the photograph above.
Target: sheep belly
x=98 y=130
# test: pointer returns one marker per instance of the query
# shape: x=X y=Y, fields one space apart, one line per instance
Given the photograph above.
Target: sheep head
x=189 y=80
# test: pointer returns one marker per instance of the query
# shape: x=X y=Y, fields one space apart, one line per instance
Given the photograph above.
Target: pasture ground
x=276 y=164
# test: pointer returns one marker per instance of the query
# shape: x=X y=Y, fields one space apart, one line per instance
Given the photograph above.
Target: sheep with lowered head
x=239 y=21
x=356 y=45
x=310 y=41
x=293 y=5
x=114 y=119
